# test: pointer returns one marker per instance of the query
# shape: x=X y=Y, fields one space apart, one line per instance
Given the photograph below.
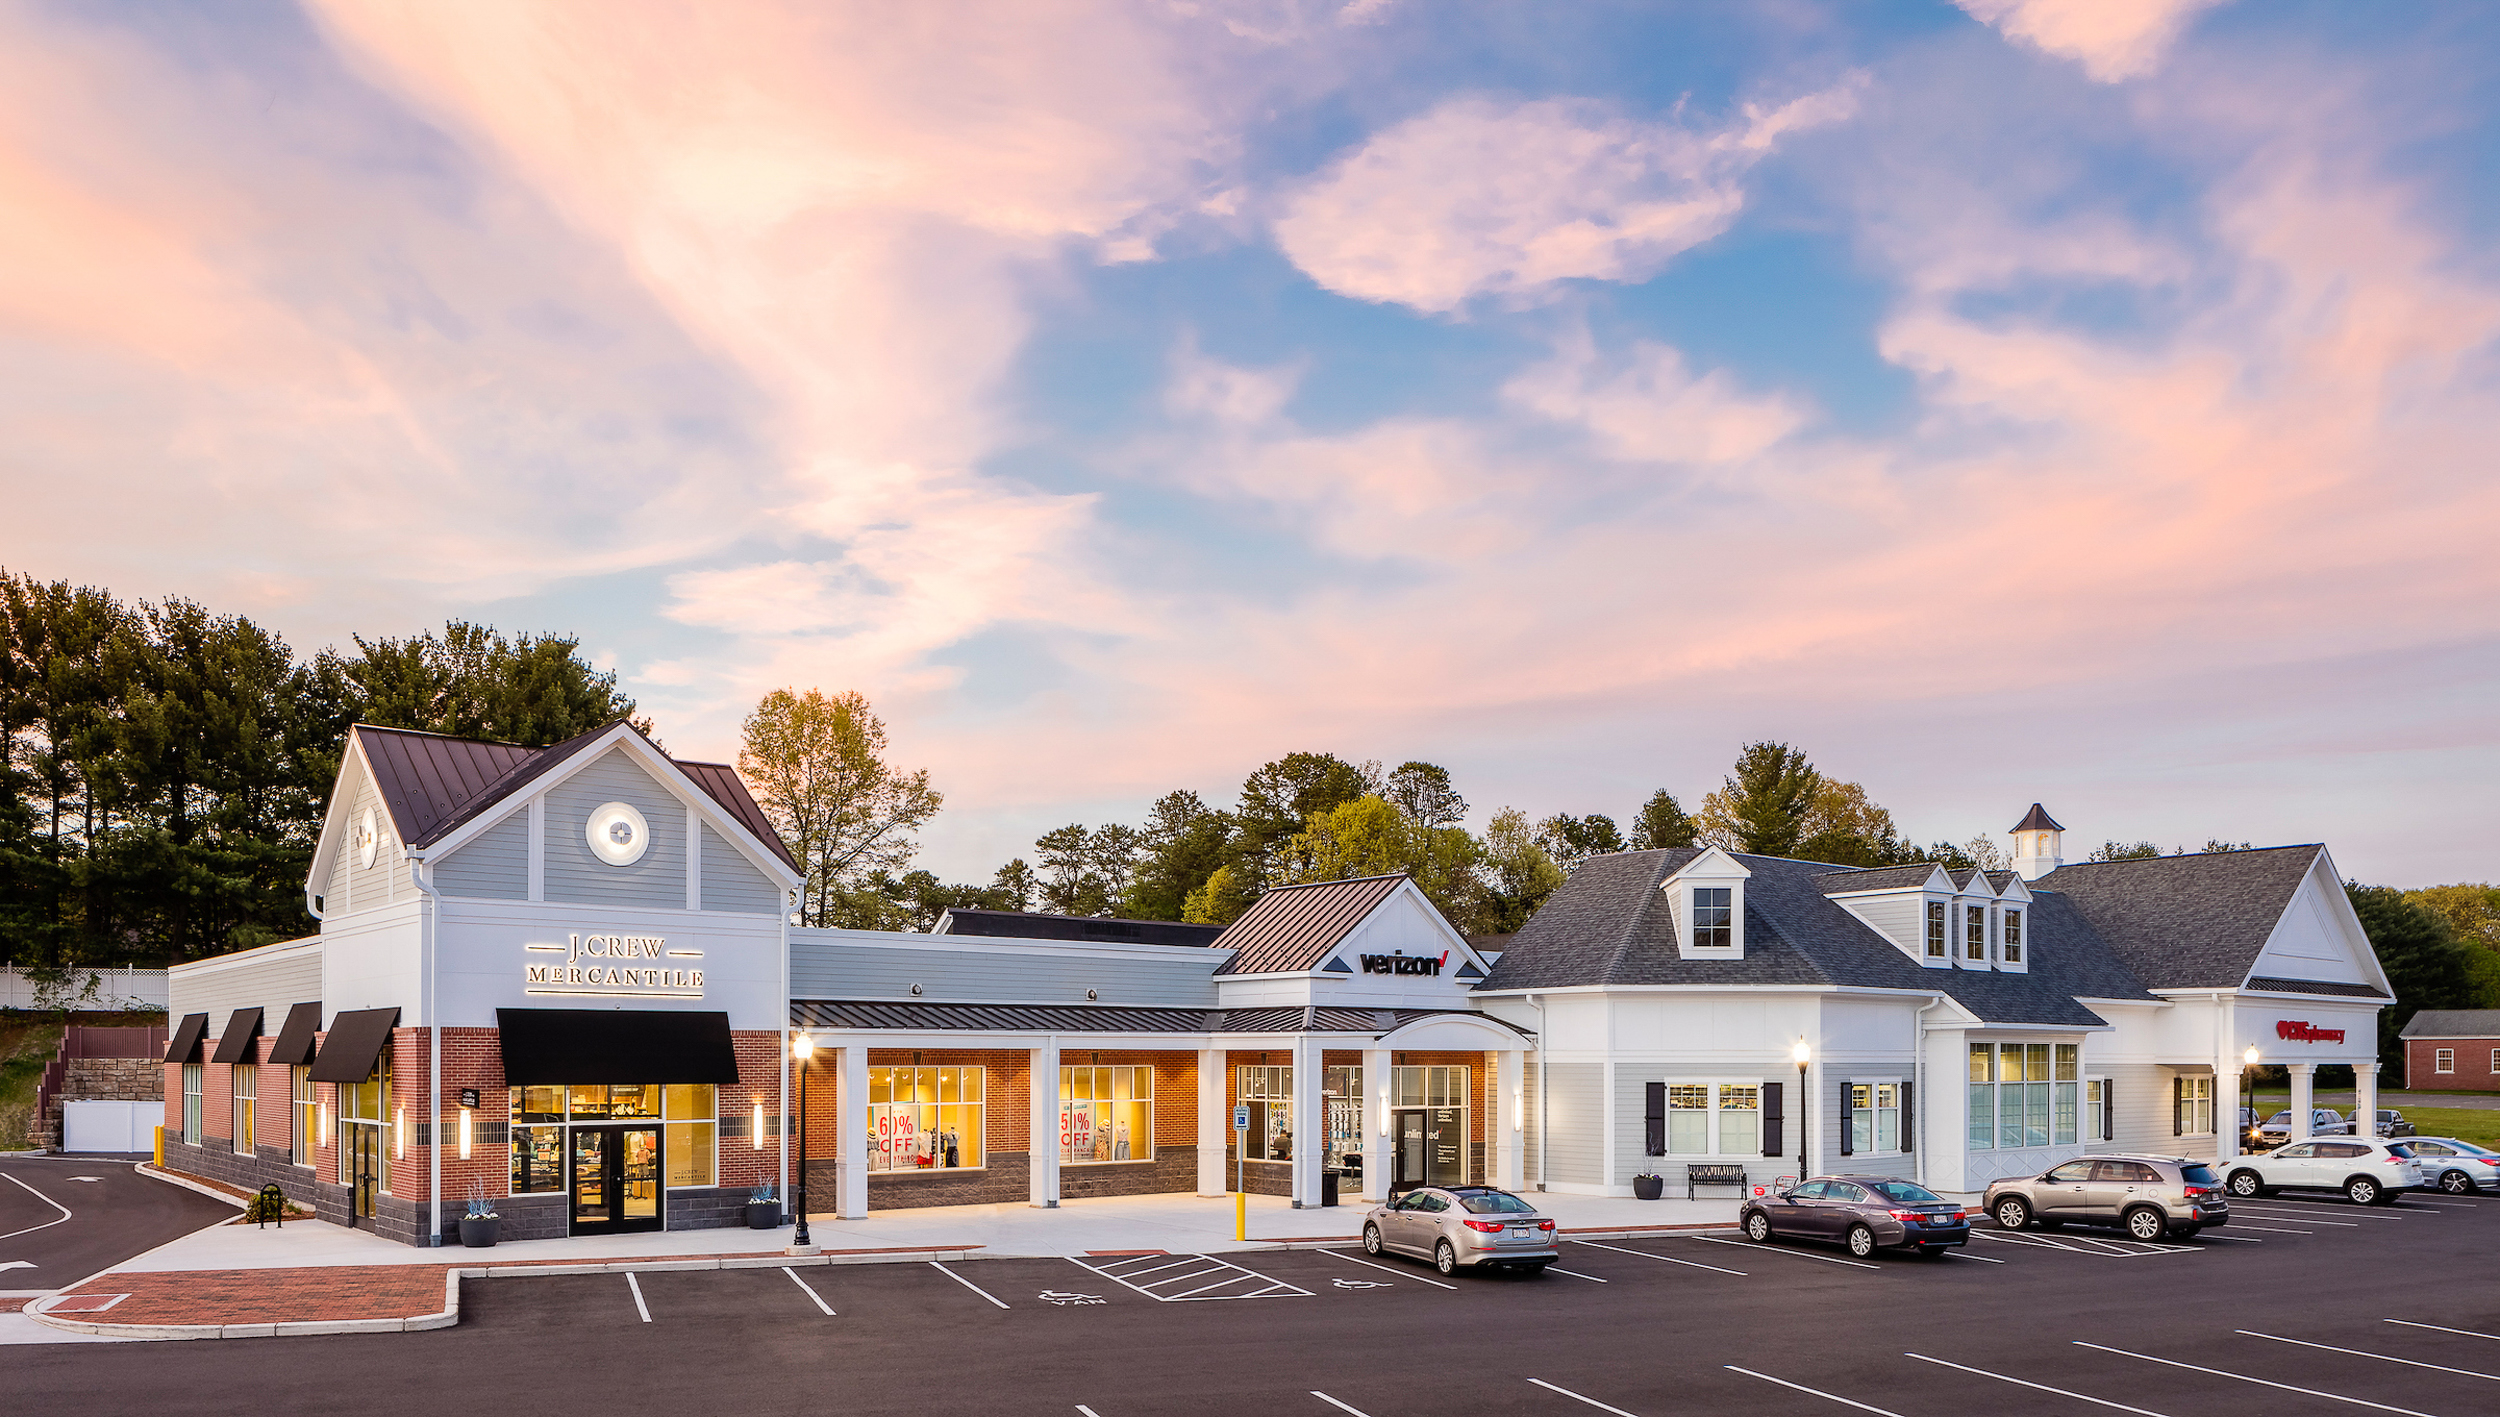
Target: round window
x=368 y=840
x=617 y=834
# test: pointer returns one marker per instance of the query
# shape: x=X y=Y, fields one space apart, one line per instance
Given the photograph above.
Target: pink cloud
x=2111 y=39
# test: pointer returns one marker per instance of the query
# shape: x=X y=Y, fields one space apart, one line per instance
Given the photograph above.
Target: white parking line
x=1644 y=1254
x=2302 y=1217
x=2443 y=1328
x=1593 y=1402
x=2093 y=1245
x=2243 y=1377
x=639 y=1306
x=966 y=1283
x=1221 y=1274
x=2382 y=1357
x=1593 y=1279
x=808 y=1290
x=2244 y=1240
x=47 y=1200
x=1818 y=1392
x=1794 y=1254
x=2269 y=1229
x=2345 y=1206
x=1089 y=1412
x=2044 y=1387
x=1983 y=1259
x=1367 y=1264
x=1344 y=1406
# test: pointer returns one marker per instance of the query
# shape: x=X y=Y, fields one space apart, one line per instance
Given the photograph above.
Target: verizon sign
x=2307 y=1032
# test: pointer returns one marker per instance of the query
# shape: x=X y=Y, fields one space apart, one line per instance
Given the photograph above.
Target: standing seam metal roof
x=1293 y=928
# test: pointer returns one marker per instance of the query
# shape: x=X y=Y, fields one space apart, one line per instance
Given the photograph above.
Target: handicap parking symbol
x=1064 y=1298
x=1363 y=1284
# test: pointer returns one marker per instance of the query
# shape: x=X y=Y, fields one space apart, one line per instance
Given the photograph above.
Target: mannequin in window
x=954 y=1156
x=1119 y=1151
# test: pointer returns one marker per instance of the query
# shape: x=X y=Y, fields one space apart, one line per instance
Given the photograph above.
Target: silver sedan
x=1462 y=1226
x=2460 y=1168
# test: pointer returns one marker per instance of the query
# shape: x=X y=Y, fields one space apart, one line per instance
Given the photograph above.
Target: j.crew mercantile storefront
x=560 y=983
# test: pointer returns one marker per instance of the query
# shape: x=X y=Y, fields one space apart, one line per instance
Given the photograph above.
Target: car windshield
x=1496 y=1203
x=2278 y=1117
x=1906 y=1193
x=2197 y=1173
x=2397 y=1148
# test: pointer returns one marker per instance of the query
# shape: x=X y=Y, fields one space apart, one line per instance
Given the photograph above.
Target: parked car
x=2391 y=1123
x=2367 y=1172
x=1462 y=1226
x=2323 y=1122
x=2458 y=1167
x=2147 y=1196
x=1863 y=1213
x=2252 y=1131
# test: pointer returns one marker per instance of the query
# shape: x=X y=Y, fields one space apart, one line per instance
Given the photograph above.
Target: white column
x=1509 y=1135
x=850 y=1123
x=2304 y=1094
x=1310 y=1122
x=1214 y=1124
x=1378 y=1069
x=2365 y=1099
x=1042 y=1155
x=2227 y=1076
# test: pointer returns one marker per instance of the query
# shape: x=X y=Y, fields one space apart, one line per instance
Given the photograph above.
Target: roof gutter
x=1918 y=1086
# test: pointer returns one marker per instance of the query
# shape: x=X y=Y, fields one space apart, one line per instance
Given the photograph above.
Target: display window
x=1341 y=1088
x=246 y=1093
x=1267 y=1090
x=689 y=1113
x=926 y=1118
x=192 y=1075
x=1428 y=1087
x=307 y=1114
x=1106 y=1114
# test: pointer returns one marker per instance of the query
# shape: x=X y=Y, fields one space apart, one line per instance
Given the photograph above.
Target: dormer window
x=1714 y=917
x=2013 y=937
x=1975 y=934
x=1935 y=930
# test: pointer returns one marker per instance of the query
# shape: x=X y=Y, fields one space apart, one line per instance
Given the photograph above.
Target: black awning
x=295 y=1039
x=235 y=1044
x=354 y=1047
x=542 y=1046
x=186 y=1044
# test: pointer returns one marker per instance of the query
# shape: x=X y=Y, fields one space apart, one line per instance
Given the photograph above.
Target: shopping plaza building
x=563 y=982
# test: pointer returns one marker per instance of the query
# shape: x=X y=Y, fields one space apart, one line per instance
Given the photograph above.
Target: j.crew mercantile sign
x=616 y=966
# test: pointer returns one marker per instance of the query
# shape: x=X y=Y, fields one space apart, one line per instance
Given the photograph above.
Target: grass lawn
x=26 y=1048
x=2479 y=1125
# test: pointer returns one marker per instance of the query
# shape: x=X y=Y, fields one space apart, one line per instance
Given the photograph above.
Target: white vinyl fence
x=85 y=991
x=110 y=1126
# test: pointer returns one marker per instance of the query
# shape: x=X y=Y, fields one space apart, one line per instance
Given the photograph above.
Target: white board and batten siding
x=575 y=876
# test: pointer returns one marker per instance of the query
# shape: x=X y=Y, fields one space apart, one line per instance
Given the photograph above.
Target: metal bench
x=1712 y=1176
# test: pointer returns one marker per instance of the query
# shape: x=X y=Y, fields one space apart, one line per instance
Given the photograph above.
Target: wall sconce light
x=464 y=1133
x=758 y=1133
x=399 y=1134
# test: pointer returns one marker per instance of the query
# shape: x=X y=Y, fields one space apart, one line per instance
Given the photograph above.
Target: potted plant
x=480 y=1228
x=763 y=1209
x=1649 y=1185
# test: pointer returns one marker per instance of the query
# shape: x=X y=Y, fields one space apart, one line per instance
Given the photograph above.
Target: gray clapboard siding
x=731 y=882
x=824 y=966
x=575 y=876
x=369 y=887
x=496 y=866
x=1901 y=918
x=1575 y=1148
x=274 y=985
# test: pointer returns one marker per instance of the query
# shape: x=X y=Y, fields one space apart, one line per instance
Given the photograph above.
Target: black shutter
x=2178 y=1107
x=1909 y=1120
x=1847 y=1148
x=2109 y=1109
x=1657 y=1118
x=1773 y=1118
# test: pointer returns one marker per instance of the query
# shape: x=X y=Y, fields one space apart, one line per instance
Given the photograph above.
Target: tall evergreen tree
x=1764 y=804
x=1662 y=823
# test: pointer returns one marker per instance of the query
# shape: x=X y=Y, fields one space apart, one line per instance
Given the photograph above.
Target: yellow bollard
x=1241 y=1215
x=160 y=1148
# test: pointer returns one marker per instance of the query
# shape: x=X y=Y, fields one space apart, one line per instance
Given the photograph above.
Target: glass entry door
x=1407 y=1153
x=614 y=1179
x=364 y=1171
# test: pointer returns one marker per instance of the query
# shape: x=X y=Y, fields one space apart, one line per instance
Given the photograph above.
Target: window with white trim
x=1975 y=933
x=1710 y=1118
x=191 y=1075
x=306 y=1119
x=2192 y=1106
x=1106 y=1113
x=1688 y=1119
x=2013 y=947
x=2495 y=1060
x=2443 y=1060
x=1267 y=1090
x=246 y=1089
x=2025 y=1094
x=1874 y=1116
x=1714 y=917
x=926 y=1118
x=1935 y=930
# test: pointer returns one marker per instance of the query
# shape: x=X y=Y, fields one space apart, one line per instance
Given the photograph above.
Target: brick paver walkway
x=264 y=1296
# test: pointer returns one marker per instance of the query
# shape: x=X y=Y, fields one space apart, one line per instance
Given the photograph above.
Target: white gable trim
x=334 y=822
x=1937 y=881
x=2320 y=898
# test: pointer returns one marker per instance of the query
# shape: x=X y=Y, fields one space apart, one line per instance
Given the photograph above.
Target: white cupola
x=2036 y=844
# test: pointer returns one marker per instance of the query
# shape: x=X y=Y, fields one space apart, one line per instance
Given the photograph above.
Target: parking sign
x=1241 y=1119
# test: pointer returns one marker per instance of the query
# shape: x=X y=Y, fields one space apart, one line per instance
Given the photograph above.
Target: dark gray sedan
x=1863 y=1213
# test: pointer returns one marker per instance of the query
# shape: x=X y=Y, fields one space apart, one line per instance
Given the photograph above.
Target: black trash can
x=1328 y=1187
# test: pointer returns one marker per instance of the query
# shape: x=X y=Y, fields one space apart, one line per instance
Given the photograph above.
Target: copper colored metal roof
x=2037 y=820
x=1293 y=928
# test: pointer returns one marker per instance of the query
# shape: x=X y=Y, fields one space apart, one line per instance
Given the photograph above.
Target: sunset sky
x=2089 y=401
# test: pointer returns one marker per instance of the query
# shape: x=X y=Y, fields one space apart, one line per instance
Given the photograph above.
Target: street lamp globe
x=802 y=1047
x=2250 y=1057
x=1801 y=1052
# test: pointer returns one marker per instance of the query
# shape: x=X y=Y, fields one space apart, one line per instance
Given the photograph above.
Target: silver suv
x=2147 y=1196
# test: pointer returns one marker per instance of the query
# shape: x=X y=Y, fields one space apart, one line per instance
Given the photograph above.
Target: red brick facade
x=2470 y=1064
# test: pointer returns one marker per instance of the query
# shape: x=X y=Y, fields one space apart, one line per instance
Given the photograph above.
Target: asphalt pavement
x=63 y=1218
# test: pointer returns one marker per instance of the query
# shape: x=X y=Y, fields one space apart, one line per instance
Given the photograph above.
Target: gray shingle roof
x=1293 y=928
x=2453 y=1023
x=2276 y=985
x=1611 y=925
x=2187 y=922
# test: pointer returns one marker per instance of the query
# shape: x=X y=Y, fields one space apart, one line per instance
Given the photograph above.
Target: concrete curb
x=172 y=1179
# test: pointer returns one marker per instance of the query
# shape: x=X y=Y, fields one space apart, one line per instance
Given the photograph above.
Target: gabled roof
x=1292 y=928
x=2453 y=1023
x=2036 y=820
x=2187 y=922
x=1610 y=925
x=1035 y=925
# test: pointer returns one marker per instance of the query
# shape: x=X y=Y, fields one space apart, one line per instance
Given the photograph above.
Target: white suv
x=2367 y=1172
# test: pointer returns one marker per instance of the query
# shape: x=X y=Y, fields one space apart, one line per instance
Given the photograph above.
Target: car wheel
x=1444 y=1258
x=2143 y=1223
x=1371 y=1239
x=2457 y=1183
x=2246 y=1185
x=2361 y=1190
x=1861 y=1241
x=1758 y=1228
x=2013 y=1213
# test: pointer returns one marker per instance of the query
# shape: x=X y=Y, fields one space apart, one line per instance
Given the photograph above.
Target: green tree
x=1016 y=885
x=471 y=681
x=1279 y=798
x=2124 y=851
x=1662 y=824
x=1183 y=842
x=1570 y=840
x=2473 y=911
x=1515 y=876
x=1221 y=901
x=1763 y=807
x=2426 y=964
x=1370 y=836
x=818 y=767
x=1423 y=792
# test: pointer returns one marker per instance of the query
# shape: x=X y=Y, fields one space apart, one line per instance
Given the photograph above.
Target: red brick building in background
x=2452 y=1050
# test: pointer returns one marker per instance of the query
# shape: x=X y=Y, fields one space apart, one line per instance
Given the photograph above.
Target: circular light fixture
x=1091 y=995
x=617 y=834
x=368 y=840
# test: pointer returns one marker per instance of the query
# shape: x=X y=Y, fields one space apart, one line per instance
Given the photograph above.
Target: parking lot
x=2299 y=1305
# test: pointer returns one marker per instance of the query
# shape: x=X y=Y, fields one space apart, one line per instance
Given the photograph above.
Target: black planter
x=763 y=1215
x=1649 y=1188
x=478 y=1232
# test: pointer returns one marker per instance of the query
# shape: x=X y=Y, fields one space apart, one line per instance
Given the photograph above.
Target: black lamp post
x=1805 y=1112
x=802 y=1048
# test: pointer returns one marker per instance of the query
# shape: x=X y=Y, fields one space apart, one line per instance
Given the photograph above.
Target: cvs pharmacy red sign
x=2307 y=1033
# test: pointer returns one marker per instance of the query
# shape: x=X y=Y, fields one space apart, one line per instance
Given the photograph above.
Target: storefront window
x=693 y=1131
x=2066 y=1092
x=1983 y=1096
x=366 y=1104
x=246 y=1087
x=925 y=1118
x=2023 y=1094
x=1268 y=1092
x=689 y=1113
x=1875 y=1116
x=1342 y=1088
x=191 y=1084
x=1428 y=1087
x=1688 y=1121
x=1106 y=1114
x=537 y=1139
x=307 y=1115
